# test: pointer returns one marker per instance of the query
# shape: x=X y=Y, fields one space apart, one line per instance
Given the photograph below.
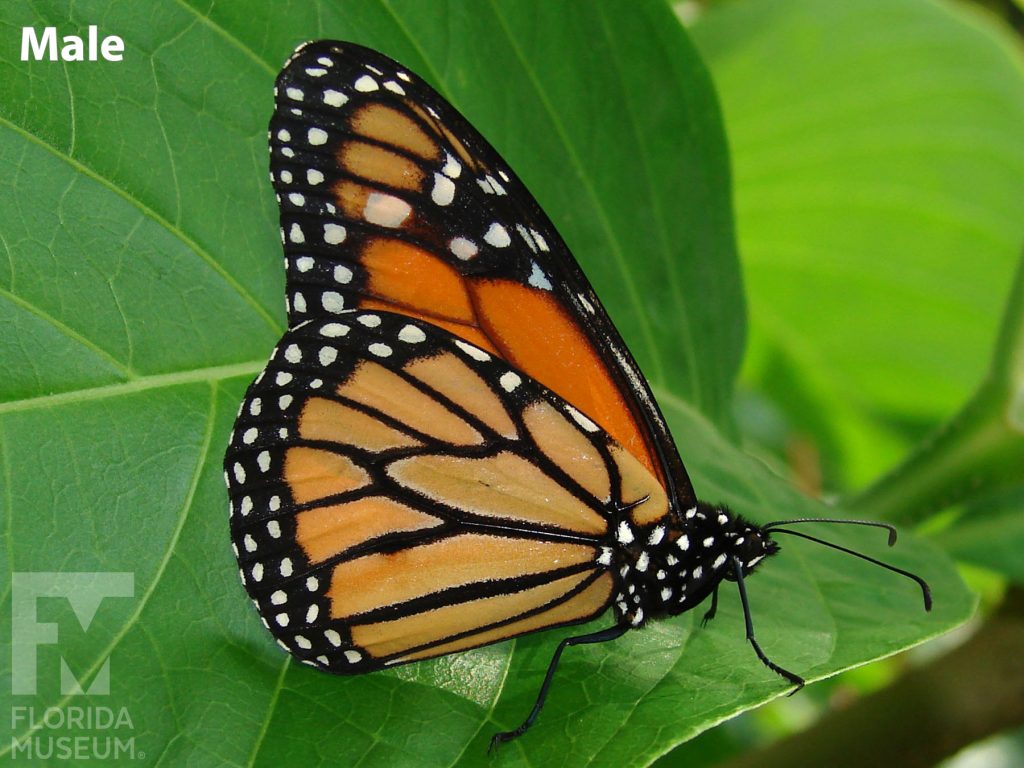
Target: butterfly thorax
x=677 y=565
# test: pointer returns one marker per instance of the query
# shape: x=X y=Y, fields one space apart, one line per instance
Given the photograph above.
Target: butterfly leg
x=712 y=610
x=597 y=637
x=796 y=680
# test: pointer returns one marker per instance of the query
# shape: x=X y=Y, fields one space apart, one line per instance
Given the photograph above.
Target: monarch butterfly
x=451 y=445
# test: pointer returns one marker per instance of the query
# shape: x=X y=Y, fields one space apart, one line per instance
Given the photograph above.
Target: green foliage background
x=878 y=205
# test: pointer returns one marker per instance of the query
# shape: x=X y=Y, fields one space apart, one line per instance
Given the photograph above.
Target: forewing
x=391 y=200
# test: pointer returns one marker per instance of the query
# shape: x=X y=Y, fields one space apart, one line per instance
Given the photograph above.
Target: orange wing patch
x=391 y=126
x=412 y=278
x=580 y=607
x=375 y=386
x=323 y=419
x=448 y=375
x=313 y=473
x=383 y=580
x=505 y=487
x=326 y=532
x=563 y=443
x=386 y=638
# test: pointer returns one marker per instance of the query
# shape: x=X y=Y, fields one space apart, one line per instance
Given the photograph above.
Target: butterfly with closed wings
x=451 y=445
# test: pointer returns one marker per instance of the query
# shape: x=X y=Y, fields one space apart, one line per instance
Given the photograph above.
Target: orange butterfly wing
x=391 y=200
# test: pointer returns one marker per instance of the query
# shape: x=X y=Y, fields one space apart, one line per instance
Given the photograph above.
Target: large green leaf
x=143 y=286
x=878 y=151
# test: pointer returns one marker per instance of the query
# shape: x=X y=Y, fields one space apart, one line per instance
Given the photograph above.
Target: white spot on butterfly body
x=683 y=542
x=353 y=656
x=370 y=321
x=312 y=584
x=281 y=619
x=709 y=541
x=295 y=234
x=624 y=533
x=250 y=435
x=666 y=593
x=380 y=350
x=328 y=355
x=334 y=98
x=497 y=236
x=642 y=562
x=255 y=407
x=274 y=529
x=332 y=301
x=410 y=334
x=718 y=561
x=293 y=354
x=342 y=274
x=284 y=401
x=283 y=135
x=303 y=642
x=239 y=471
x=656 y=535
x=475 y=352
x=386 y=210
x=462 y=248
x=246 y=506
x=296 y=199
x=295 y=94
x=539 y=239
x=366 y=84
x=697 y=572
x=279 y=597
x=394 y=87
x=313 y=176
x=605 y=558
x=316 y=71
x=325 y=61
x=257 y=572
x=312 y=613
x=404 y=76
x=316 y=137
x=285 y=176
x=299 y=302
x=691 y=513
x=250 y=543
x=332 y=637
x=286 y=567
x=274 y=504
x=287 y=152
x=304 y=263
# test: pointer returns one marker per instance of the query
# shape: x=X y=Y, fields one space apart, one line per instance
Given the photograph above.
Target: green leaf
x=878 y=150
x=143 y=284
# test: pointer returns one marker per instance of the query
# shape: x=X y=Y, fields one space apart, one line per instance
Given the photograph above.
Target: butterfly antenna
x=925 y=589
x=869 y=523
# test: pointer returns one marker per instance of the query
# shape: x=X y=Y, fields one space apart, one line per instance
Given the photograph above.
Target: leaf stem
x=979 y=451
